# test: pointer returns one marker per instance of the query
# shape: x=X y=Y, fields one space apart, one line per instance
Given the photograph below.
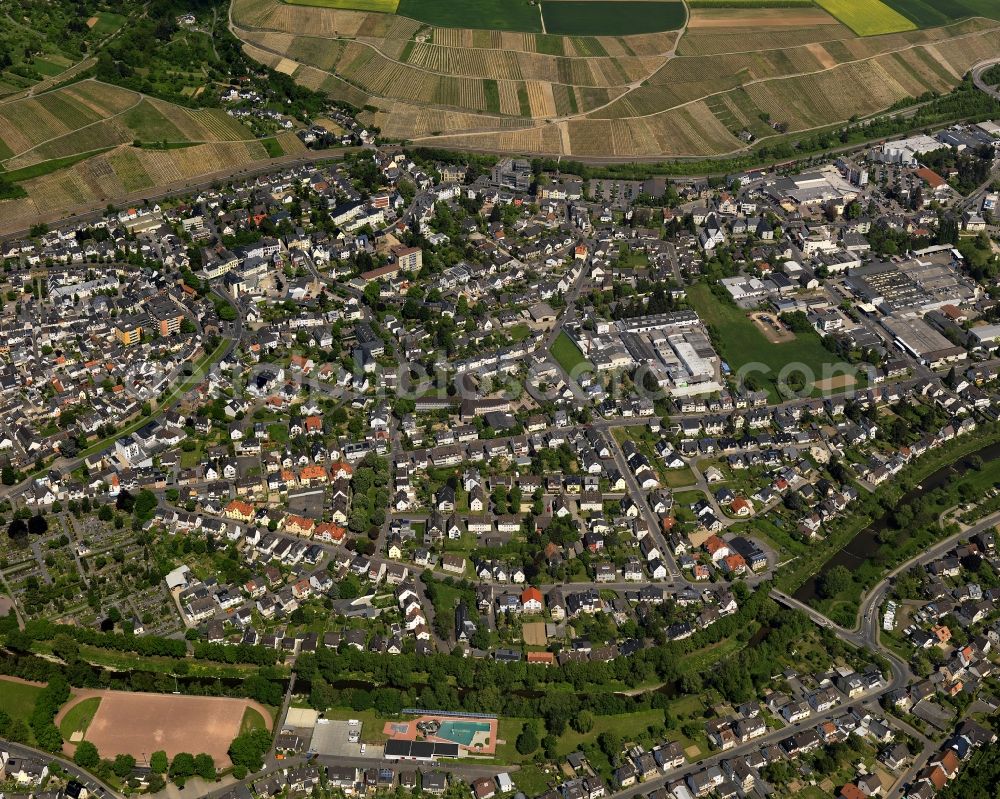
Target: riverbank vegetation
x=907 y=526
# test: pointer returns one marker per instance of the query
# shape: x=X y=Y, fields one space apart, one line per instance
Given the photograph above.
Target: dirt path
x=22 y=681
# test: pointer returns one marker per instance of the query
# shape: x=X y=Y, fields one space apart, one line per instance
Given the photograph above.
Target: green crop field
x=928 y=13
x=611 y=17
x=52 y=165
x=508 y=15
x=739 y=341
x=565 y=351
x=867 y=17
x=50 y=65
x=383 y=6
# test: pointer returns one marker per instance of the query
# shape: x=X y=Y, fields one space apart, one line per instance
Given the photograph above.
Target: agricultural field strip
x=355 y=66
x=358 y=23
x=139 y=99
x=479 y=140
x=633 y=85
x=50 y=82
x=865 y=40
x=369 y=38
x=643 y=66
x=790 y=75
x=475 y=63
x=588 y=116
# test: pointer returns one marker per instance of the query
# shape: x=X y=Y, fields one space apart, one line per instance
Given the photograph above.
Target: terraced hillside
x=729 y=75
x=90 y=142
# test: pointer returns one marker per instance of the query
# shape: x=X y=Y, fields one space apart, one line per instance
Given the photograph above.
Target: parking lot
x=332 y=737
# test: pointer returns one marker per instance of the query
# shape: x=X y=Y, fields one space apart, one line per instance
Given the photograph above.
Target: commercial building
x=924 y=343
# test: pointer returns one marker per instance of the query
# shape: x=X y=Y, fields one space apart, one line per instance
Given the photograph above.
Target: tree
x=835 y=581
x=86 y=755
x=781 y=772
x=204 y=766
x=527 y=741
x=583 y=721
x=248 y=750
x=611 y=744
x=18 y=530
x=158 y=762
x=123 y=765
x=182 y=766
x=145 y=504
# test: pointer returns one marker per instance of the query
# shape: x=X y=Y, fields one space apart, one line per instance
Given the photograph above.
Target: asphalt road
x=95 y=786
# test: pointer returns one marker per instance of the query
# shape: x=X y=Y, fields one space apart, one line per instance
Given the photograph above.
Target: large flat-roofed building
x=985 y=335
x=912 y=287
x=924 y=343
x=425 y=751
x=683 y=360
x=660 y=321
x=813 y=188
x=905 y=151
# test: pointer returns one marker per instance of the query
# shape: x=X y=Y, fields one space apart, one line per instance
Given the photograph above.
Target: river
x=865 y=543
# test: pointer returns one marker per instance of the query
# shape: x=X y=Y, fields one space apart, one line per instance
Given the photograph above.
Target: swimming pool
x=462 y=732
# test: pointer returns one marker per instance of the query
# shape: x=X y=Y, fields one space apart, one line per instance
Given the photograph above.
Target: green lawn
x=703 y=659
x=148 y=124
x=627 y=726
x=107 y=23
x=565 y=351
x=78 y=717
x=678 y=478
x=17 y=700
x=688 y=497
x=252 y=720
x=532 y=781
x=611 y=17
x=520 y=332
x=371 y=724
x=273 y=147
x=740 y=343
x=50 y=65
x=278 y=433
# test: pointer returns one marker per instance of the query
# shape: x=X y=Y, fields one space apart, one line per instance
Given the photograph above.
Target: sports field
x=73 y=724
x=137 y=723
x=611 y=17
x=741 y=343
x=867 y=17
